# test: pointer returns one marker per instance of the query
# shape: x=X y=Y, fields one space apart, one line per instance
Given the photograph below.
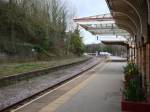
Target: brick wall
x=148 y=68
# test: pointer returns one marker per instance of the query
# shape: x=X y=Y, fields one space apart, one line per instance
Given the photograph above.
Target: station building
x=134 y=17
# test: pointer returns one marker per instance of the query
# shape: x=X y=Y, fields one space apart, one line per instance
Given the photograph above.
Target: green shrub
x=133 y=91
x=130 y=70
x=133 y=83
x=77 y=46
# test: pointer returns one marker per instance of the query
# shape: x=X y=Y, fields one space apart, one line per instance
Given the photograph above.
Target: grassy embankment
x=15 y=68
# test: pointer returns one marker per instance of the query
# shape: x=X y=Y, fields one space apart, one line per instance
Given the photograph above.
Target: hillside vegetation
x=37 y=29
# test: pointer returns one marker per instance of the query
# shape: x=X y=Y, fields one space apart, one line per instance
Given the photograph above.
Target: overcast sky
x=89 y=7
x=85 y=8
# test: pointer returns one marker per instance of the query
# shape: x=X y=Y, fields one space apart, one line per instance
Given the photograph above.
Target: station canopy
x=103 y=25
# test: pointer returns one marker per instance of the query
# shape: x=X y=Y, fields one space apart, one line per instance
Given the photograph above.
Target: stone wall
x=148 y=68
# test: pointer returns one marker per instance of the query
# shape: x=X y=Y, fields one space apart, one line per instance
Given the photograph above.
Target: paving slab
x=101 y=94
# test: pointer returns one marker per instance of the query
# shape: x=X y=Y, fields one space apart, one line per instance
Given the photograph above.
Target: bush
x=133 y=91
x=77 y=46
x=133 y=83
x=130 y=70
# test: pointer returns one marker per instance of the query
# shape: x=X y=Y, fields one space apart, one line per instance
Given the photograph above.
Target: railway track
x=45 y=91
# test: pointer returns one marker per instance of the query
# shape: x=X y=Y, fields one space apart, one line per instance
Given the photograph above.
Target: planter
x=135 y=106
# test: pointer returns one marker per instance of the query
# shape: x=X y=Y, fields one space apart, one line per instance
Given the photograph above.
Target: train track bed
x=25 y=90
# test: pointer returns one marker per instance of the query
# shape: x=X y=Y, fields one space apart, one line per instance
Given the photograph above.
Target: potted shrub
x=133 y=95
x=130 y=70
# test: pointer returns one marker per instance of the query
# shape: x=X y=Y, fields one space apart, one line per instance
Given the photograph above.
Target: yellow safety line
x=64 y=98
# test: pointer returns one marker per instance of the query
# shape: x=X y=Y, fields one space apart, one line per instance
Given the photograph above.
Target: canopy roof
x=112 y=42
x=132 y=16
x=101 y=25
